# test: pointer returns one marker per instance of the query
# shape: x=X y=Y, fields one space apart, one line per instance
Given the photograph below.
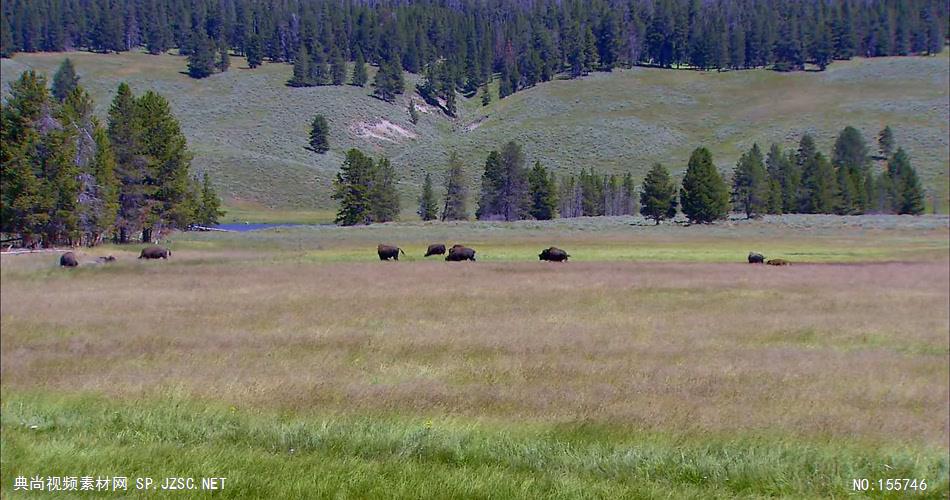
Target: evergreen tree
x=386 y=82
x=489 y=204
x=166 y=151
x=783 y=170
x=629 y=190
x=201 y=61
x=319 y=70
x=319 y=134
x=704 y=195
x=658 y=197
x=543 y=192
x=254 y=51
x=65 y=80
x=885 y=142
x=486 y=96
x=224 y=59
x=383 y=197
x=337 y=67
x=450 y=103
x=359 y=70
x=20 y=185
x=908 y=194
x=750 y=184
x=351 y=189
x=302 y=74
x=209 y=211
x=818 y=186
x=851 y=159
x=428 y=206
x=456 y=191
x=125 y=135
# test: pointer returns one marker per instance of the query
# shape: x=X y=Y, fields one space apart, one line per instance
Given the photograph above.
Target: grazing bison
x=68 y=259
x=459 y=253
x=435 y=249
x=777 y=262
x=387 y=252
x=553 y=254
x=105 y=260
x=155 y=253
x=756 y=258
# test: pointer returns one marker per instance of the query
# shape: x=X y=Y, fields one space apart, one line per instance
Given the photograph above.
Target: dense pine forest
x=472 y=40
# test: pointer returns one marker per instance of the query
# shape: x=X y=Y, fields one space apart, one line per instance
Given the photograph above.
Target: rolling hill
x=249 y=129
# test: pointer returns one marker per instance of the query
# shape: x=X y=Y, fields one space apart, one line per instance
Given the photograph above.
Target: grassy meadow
x=249 y=129
x=655 y=364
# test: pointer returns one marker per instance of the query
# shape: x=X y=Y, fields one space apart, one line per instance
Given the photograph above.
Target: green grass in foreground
x=266 y=455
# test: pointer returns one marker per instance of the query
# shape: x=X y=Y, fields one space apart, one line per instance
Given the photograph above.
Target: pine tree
x=383 y=197
x=385 y=82
x=428 y=206
x=658 y=197
x=851 y=155
x=125 y=135
x=489 y=202
x=301 y=76
x=784 y=171
x=337 y=67
x=209 y=211
x=750 y=184
x=254 y=51
x=201 y=60
x=166 y=150
x=818 y=186
x=543 y=192
x=456 y=191
x=704 y=195
x=359 y=70
x=319 y=134
x=909 y=195
x=885 y=142
x=451 y=108
x=65 y=80
x=486 y=96
x=19 y=184
x=224 y=59
x=319 y=70
x=351 y=189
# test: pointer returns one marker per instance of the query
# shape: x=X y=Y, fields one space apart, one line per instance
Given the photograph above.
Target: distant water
x=251 y=227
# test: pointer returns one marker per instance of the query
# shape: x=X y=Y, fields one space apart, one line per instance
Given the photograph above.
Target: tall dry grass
x=847 y=351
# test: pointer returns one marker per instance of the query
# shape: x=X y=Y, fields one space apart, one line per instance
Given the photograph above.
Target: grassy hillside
x=249 y=129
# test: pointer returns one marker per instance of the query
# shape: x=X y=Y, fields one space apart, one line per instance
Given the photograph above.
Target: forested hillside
x=524 y=42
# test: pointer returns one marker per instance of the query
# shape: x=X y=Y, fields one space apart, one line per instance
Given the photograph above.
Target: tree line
x=69 y=179
x=523 y=42
x=802 y=180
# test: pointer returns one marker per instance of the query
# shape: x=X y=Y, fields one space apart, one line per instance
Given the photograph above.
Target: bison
x=777 y=262
x=553 y=254
x=105 y=260
x=387 y=252
x=68 y=259
x=459 y=253
x=155 y=253
x=756 y=258
x=435 y=249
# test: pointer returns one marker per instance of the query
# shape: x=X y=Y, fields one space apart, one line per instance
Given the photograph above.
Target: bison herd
x=455 y=253
x=69 y=259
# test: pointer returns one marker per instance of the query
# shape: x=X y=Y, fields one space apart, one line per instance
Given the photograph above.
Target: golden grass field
x=851 y=348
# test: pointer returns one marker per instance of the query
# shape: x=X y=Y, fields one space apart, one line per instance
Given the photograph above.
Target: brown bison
x=553 y=254
x=756 y=258
x=459 y=253
x=387 y=252
x=155 y=253
x=105 y=260
x=68 y=259
x=777 y=262
x=435 y=249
